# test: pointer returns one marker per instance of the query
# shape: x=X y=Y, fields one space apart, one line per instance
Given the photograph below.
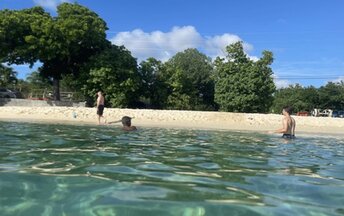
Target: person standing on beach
x=288 y=123
x=100 y=105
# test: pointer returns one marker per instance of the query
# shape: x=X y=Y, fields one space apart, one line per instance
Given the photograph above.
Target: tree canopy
x=241 y=84
x=113 y=71
x=189 y=78
x=331 y=96
x=153 y=88
x=300 y=98
x=62 y=44
x=8 y=76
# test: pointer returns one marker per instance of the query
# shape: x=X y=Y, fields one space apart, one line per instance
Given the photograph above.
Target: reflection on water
x=89 y=170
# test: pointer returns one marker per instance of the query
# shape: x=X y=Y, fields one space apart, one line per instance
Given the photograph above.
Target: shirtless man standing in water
x=100 y=106
x=289 y=124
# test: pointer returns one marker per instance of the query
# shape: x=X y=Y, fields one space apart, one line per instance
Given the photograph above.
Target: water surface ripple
x=89 y=170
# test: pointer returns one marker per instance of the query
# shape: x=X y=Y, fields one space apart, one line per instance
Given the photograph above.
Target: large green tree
x=113 y=71
x=62 y=43
x=153 y=88
x=241 y=84
x=189 y=77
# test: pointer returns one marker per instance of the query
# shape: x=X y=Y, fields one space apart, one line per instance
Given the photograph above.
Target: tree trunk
x=56 y=84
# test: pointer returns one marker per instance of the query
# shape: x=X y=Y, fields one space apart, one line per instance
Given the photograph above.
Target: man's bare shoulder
x=293 y=120
x=131 y=128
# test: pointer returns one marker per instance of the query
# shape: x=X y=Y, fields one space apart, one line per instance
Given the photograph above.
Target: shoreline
x=173 y=119
x=170 y=126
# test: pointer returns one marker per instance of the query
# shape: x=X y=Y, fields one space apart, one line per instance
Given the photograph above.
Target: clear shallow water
x=89 y=170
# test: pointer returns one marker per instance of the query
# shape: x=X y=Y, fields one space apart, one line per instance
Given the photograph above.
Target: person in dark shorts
x=100 y=105
x=100 y=110
x=126 y=122
x=288 y=123
x=288 y=136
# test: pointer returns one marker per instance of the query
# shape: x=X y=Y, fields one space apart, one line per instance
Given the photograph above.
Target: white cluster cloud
x=339 y=79
x=49 y=4
x=281 y=83
x=215 y=46
x=163 y=45
x=158 y=44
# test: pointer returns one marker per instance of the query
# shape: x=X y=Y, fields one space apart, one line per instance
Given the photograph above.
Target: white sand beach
x=172 y=119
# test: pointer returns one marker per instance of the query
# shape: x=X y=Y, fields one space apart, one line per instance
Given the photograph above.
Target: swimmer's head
x=288 y=109
x=126 y=121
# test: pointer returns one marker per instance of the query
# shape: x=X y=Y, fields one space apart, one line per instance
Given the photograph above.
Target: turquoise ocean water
x=89 y=170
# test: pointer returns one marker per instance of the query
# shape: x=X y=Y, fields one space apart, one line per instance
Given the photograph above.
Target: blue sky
x=306 y=36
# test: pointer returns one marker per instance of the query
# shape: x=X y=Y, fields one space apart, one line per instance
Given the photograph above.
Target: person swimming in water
x=289 y=124
x=126 y=122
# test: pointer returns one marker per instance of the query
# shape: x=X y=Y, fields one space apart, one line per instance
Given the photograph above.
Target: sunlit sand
x=172 y=118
